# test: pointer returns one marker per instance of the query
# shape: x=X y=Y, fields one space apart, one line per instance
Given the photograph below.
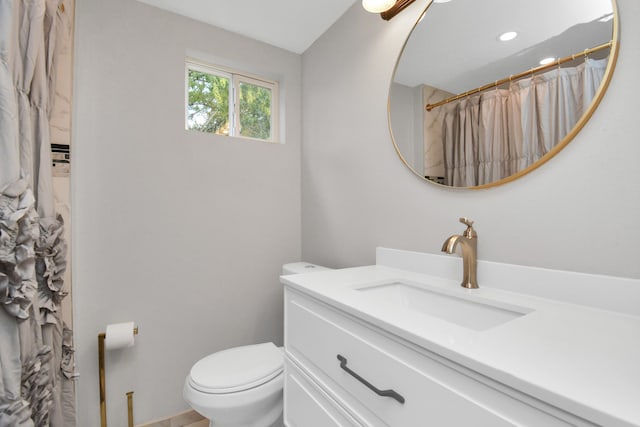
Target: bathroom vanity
x=401 y=344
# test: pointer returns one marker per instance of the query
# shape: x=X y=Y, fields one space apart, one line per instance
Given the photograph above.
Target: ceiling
x=290 y=24
x=455 y=47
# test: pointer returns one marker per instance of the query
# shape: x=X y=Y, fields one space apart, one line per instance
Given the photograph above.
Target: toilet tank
x=302 y=267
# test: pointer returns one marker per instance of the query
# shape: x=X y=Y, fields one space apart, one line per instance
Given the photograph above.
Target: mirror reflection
x=485 y=91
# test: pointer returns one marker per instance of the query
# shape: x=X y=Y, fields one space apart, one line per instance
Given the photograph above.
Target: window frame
x=235 y=79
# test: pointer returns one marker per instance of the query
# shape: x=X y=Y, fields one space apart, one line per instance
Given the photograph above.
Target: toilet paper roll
x=119 y=335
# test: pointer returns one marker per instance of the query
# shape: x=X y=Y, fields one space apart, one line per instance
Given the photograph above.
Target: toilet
x=241 y=386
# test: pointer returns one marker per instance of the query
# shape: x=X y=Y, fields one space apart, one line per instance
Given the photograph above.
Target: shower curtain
x=36 y=358
x=490 y=136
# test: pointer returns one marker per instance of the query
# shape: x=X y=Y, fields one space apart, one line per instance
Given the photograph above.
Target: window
x=225 y=102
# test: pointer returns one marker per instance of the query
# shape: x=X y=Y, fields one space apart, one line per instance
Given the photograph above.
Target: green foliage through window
x=208 y=106
x=255 y=111
x=211 y=107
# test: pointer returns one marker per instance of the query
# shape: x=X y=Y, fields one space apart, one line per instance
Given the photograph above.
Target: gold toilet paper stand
x=103 y=388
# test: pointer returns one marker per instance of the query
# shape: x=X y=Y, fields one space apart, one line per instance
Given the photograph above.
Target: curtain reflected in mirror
x=452 y=130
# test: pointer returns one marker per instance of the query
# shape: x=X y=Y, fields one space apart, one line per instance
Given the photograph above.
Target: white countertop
x=583 y=360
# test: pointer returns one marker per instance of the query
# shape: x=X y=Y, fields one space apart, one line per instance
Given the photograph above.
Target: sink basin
x=473 y=313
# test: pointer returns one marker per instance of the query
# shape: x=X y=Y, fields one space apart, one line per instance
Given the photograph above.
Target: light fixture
x=509 y=35
x=546 y=61
x=441 y=1
x=398 y=7
x=377 y=6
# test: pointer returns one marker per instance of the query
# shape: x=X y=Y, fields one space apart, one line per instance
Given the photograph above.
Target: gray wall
x=182 y=232
x=578 y=212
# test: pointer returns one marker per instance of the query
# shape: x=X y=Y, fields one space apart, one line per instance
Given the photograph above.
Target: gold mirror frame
x=613 y=56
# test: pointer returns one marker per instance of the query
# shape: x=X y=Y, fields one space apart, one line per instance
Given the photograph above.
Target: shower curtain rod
x=513 y=77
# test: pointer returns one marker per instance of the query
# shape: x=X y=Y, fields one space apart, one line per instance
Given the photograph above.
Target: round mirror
x=486 y=91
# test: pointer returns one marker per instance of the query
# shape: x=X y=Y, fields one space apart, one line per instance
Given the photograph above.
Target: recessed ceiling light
x=509 y=35
x=546 y=61
x=441 y=1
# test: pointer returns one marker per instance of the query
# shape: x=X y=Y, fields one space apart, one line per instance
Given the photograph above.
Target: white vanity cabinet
x=335 y=363
x=310 y=406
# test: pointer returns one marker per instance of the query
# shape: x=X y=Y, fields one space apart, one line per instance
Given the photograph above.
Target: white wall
x=182 y=232
x=579 y=212
x=406 y=121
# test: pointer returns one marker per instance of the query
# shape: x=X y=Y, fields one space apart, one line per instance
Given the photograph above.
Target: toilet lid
x=237 y=369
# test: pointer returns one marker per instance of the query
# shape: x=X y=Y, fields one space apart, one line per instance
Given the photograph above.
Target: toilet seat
x=237 y=369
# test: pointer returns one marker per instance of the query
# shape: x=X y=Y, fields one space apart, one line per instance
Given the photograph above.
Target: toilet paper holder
x=103 y=389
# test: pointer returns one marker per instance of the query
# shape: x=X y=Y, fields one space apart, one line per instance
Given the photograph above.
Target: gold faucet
x=469 y=243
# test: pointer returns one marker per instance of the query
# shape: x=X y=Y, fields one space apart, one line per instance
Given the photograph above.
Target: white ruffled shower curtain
x=490 y=136
x=36 y=357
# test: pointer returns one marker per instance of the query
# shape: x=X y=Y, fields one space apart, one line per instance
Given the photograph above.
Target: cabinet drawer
x=307 y=406
x=419 y=390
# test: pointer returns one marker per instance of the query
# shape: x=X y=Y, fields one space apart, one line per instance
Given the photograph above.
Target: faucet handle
x=469 y=233
x=466 y=221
